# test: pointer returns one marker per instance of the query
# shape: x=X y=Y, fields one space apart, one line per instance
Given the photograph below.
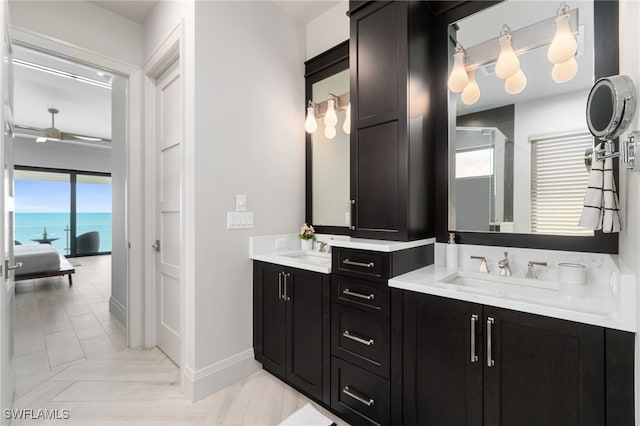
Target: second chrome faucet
x=505 y=271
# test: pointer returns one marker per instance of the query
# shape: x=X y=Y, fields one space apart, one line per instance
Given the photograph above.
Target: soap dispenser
x=452 y=252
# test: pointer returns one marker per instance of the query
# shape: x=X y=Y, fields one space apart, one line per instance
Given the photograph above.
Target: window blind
x=558 y=183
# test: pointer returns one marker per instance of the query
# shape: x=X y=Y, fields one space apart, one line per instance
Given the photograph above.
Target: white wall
x=328 y=29
x=630 y=181
x=535 y=118
x=249 y=139
x=61 y=155
x=165 y=16
x=82 y=24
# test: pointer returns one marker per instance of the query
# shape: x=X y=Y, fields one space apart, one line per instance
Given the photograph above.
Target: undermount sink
x=317 y=258
x=484 y=283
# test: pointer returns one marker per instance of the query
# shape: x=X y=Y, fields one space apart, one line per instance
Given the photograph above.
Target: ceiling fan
x=55 y=135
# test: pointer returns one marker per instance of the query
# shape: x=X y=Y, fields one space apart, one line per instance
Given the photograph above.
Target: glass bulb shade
x=346 y=126
x=561 y=73
x=515 y=84
x=310 y=124
x=564 y=45
x=471 y=92
x=330 y=132
x=330 y=118
x=458 y=78
x=508 y=63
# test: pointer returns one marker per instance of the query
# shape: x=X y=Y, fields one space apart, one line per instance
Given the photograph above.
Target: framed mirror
x=500 y=168
x=327 y=150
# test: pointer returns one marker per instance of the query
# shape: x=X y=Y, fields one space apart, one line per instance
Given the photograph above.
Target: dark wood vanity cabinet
x=473 y=365
x=291 y=326
x=392 y=170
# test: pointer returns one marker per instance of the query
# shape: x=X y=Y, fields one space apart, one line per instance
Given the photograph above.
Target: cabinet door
x=270 y=316
x=442 y=384
x=305 y=330
x=543 y=371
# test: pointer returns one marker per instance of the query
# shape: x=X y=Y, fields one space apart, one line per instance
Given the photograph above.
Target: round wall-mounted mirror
x=610 y=106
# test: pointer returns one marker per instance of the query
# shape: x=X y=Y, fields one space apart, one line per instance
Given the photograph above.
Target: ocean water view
x=29 y=226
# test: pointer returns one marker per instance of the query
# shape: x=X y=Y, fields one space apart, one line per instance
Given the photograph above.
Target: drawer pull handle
x=348 y=335
x=490 y=361
x=366 y=401
x=474 y=320
x=358 y=295
x=361 y=264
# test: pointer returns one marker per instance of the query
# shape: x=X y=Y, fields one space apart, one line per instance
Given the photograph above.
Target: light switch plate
x=241 y=203
x=239 y=220
x=281 y=243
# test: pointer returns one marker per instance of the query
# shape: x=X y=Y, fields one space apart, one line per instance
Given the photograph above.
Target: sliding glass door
x=68 y=209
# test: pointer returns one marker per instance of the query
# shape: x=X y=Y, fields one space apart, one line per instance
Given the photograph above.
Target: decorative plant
x=307 y=232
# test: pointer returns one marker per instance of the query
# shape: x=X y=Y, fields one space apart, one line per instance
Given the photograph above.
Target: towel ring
x=610 y=108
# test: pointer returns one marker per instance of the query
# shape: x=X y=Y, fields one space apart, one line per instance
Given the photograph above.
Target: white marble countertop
x=310 y=261
x=608 y=304
x=376 y=245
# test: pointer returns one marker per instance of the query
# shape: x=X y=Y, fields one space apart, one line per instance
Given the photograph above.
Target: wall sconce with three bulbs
x=562 y=49
x=328 y=109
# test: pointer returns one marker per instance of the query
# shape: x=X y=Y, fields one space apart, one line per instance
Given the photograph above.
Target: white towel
x=600 y=211
x=611 y=216
x=591 y=216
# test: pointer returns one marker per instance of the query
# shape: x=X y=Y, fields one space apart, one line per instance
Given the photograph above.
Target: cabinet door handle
x=280 y=285
x=361 y=264
x=490 y=362
x=474 y=356
x=358 y=295
x=363 y=400
x=364 y=341
x=287 y=297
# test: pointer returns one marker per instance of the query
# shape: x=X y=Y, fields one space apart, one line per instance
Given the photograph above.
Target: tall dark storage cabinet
x=392 y=170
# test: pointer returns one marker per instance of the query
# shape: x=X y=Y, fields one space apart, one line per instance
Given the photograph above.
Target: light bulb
x=561 y=73
x=564 y=45
x=515 y=84
x=330 y=132
x=346 y=126
x=458 y=78
x=471 y=92
x=508 y=63
x=310 y=124
x=330 y=118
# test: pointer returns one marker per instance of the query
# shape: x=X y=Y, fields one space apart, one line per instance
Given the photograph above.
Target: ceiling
x=84 y=108
x=134 y=10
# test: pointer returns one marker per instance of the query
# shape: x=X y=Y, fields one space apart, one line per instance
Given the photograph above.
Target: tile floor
x=70 y=354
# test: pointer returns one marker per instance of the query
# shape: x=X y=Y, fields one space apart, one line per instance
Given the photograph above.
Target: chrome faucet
x=504 y=266
x=531 y=273
x=483 y=263
x=324 y=247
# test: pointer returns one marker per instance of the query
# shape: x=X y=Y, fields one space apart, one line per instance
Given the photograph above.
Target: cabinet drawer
x=361 y=338
x=368 y=295
x=367 y=264
x=360 y=397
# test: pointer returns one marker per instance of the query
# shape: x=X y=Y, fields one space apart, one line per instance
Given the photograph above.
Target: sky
x=55 y=197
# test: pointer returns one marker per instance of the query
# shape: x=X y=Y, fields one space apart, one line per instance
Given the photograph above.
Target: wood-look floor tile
x=90 y=371
x=120 y=391
x=63 y=347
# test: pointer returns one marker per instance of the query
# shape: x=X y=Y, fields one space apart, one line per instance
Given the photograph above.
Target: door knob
x=8 y=267
x=156 y=245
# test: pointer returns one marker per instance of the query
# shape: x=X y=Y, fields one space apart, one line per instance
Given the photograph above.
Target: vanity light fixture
x=508 y=63
x=330 y=118
x=561 y=52
x=310 y=124
x=458 y=78
x=564 y=45
x=327 y=109
x=471 y=92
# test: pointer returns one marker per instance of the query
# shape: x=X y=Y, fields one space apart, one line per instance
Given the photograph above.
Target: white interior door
x=168 y=160
x=7 y=292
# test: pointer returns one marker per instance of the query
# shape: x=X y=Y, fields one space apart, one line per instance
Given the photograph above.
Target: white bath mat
x=306 y=416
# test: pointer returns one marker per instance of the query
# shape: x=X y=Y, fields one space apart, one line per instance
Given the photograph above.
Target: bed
x=41 y=260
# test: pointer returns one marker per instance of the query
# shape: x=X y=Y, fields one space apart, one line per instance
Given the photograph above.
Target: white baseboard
x=118 y=310
x=205 y=381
